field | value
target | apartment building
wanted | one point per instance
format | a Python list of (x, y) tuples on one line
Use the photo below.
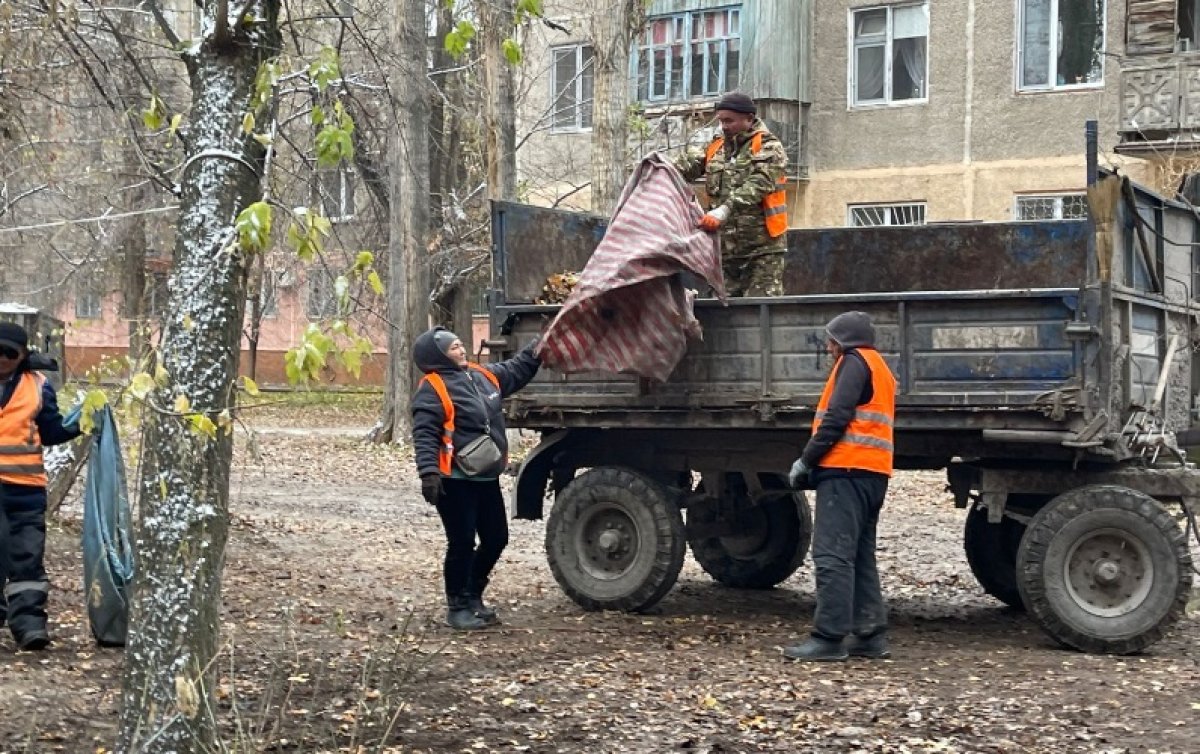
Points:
[(912, 111)]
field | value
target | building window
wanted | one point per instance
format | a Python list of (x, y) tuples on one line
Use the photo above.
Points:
[(873, 215), (571, 82), (689, 55), (322, 298), (1051, 207), (891, 54), (1188, 25), (89, 303), (1060, 43), (335, 189)]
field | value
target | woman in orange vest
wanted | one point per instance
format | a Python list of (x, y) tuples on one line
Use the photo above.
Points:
[(460, 447), (29, 420), (849, 461)]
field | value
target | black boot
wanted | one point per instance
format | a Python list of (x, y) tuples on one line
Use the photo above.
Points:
[(873, 647), (33, 640), (460, 616), (482, 611), (816, 649)]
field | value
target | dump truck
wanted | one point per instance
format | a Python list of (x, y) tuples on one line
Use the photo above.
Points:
[(1049, 367)]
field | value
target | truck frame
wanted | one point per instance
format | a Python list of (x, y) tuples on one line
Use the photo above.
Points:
[(1048, 367)]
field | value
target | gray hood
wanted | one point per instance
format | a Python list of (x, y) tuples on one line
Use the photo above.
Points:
[(852, 330), (429, 350)]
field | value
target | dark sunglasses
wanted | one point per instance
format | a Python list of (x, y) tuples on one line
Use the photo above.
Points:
[(9, 353)]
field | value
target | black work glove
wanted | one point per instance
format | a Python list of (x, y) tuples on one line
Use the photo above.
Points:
[(431, 488)]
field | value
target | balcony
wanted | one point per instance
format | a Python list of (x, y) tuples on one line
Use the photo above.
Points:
[(1160, 103)]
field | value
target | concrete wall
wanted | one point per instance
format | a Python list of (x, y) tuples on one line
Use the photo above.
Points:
[(974, 143)]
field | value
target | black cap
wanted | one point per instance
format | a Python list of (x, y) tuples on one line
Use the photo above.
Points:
[(738, 103), (13, 336)]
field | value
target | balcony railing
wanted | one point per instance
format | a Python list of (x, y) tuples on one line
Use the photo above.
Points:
[(1160, 96)]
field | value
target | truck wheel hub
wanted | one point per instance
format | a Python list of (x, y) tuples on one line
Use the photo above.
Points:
[(1109, 572)]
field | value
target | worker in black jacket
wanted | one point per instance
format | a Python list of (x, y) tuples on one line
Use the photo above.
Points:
[(457, 417), (29, 420)]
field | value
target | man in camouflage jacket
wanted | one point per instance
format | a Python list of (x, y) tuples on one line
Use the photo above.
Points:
[(737, 179)]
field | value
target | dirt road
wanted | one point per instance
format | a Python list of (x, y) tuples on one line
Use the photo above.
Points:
[(334, 641)]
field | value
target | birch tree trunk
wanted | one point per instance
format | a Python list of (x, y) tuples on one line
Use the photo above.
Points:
[(614, 26), (167, 703), (499, 104), (408, 175)]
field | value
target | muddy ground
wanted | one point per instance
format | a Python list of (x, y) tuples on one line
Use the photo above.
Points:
[(334, 641)]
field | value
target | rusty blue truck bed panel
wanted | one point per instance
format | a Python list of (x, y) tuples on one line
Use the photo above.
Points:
[(988, 326)]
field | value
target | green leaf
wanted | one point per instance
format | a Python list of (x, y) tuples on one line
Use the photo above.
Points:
[(248, 123), (363, 261), (318, 116), (152, 116), (375, 283), (325, 69), (182, 405), (512, 51), (254, 226), (459, 38), (176, 119), (529, 7)]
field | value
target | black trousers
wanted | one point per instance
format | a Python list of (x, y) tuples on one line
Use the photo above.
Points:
[(476, 525), (23, 583), (849, 596)]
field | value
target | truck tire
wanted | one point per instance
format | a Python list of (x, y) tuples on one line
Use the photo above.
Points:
[(992, 554), (1104, 569), (615, 540), (769, 546)]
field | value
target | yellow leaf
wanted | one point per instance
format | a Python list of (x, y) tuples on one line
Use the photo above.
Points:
[(248, 123), (182, 404), (202, 425), (141, 385), (251, 386), (188, 323), (162, 489)]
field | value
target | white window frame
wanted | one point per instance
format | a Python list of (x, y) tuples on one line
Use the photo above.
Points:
[(1052, 77), (1057, 197), (90, 295), (337, 208), (580, 102), (852, 60), (891, 207), (684, 21)]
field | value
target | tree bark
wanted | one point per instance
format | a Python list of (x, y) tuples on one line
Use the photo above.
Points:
[(499, 104), (408, 174), (613, 28), (167, 703)]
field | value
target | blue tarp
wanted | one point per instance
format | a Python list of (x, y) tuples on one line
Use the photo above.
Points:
[(107, 534)]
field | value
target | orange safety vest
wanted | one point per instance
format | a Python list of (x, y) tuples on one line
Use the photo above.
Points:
[(20, 441), (867, 442), (446, 453), (774, 204)]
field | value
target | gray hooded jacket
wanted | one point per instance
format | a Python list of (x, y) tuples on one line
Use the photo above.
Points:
[(851, 387)]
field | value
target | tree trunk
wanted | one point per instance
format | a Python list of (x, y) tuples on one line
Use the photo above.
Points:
[(167, 703), (613, 29), (499, 104), (408, 271)]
